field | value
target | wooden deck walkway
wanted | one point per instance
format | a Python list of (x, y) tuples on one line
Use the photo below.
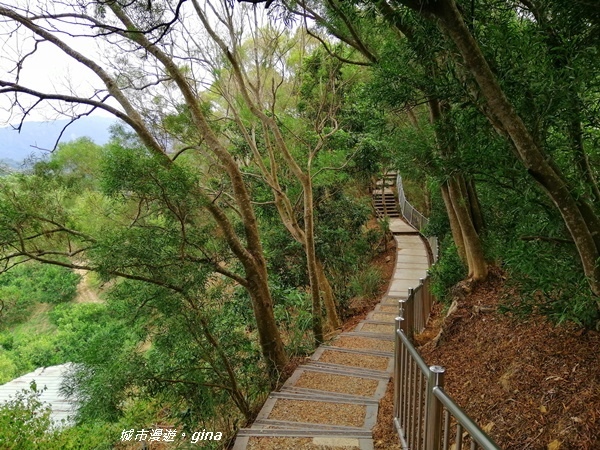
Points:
[(332, 402)]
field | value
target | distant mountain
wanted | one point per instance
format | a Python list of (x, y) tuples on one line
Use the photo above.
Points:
[(35, 137)]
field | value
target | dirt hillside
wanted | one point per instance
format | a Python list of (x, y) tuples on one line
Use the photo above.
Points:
[(536, 385)]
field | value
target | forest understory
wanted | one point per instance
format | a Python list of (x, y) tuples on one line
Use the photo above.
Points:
[(530, 384)]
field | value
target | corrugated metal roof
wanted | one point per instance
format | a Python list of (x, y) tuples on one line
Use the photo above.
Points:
[(51, 378)]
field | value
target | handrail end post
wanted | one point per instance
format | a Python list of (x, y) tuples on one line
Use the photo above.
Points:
[(397, 363), (433, 429)]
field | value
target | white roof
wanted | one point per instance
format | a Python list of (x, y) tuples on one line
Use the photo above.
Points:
[(51, 378)]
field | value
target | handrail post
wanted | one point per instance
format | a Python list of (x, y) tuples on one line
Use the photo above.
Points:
[(402, 313), (397, 367), (409, 315), (433, 425), (426, 305)]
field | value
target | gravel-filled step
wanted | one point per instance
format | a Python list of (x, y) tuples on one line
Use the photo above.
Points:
[(363, 343), (353, 358), (376, 327), (345, 413), (382, 316), (304, 443), (315, 381), (387, 308)]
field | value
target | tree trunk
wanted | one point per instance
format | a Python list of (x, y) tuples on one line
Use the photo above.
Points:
[(333, 320), (251, 254), (268, 333), (457, 235), (326, 292), (531, 155), (456, 199), (256, 108), (474, 205), (311, 259), (581, 159), (474, 250)]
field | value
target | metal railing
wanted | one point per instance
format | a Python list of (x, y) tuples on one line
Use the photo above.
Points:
[(434, 246), (409, 212), (423, 413), (415, 218), (415, 309)]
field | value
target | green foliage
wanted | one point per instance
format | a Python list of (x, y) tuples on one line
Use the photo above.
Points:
[(25, 425), (42, 283), (27, 284), (75, 163), (294, 317), (136, 170), (8, 368), (163, 352), (90, 334), (40, 351), (448, 271), (25, 347), (366, 283), (16, 306), (343, 244), (82, 328), (23, 421), (93, 435), (543, 274)]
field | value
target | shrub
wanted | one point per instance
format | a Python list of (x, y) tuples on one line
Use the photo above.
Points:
[(16, 306), (25, 425), (40, 351), (7, 368), (24, 421), (448, 271), (27, 284), (366, 283)]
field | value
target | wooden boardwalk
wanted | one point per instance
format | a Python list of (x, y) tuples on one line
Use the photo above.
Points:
[(332, 401)]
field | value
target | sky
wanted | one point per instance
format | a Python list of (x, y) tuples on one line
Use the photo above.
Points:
[(49, 69)]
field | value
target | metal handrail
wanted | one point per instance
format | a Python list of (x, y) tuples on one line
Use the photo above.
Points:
[(423, 412), (422, 409), (476, 433), (409, 212), (409, 403), (415, 218)]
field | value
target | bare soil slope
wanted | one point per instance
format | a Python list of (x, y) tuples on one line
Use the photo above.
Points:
[(534, 384)]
